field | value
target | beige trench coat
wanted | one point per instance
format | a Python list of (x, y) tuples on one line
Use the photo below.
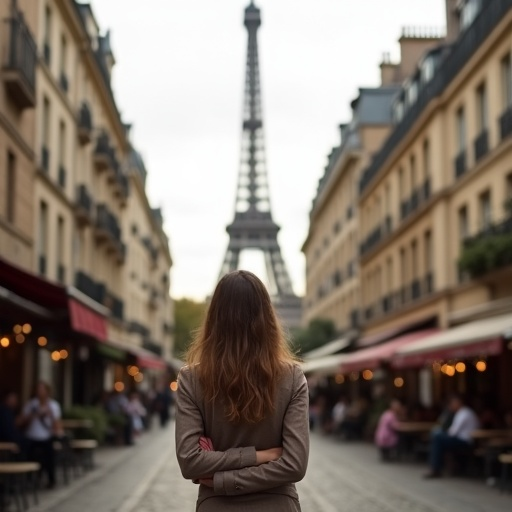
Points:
[(240, 485)]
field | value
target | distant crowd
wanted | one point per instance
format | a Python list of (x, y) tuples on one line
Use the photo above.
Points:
[(380, 420)]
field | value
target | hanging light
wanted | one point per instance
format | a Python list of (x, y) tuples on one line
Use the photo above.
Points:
[(174, 386), (481, 366), (55, 355), (19, 338), (27, 328), (42, 341), (339, 378), (460, 367), (63, 354), (17, 329), (5, 342), (138, 378), (367, 375), (399, 382), (119, 386)]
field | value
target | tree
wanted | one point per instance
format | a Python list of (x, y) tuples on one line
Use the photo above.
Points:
[(318, 333), (188, 316)]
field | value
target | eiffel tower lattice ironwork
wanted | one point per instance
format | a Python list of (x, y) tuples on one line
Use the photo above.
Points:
[(253, 226)]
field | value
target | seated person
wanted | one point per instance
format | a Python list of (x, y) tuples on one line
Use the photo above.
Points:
[(386, 436), (9, 431), (456, 439)]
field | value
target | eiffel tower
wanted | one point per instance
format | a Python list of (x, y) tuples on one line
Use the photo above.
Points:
[(253, 226)]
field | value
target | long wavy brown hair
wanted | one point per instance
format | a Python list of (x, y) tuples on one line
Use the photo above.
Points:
[(240, 352)]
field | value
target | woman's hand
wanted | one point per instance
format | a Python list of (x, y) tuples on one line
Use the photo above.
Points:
[(206, 444), (264, 456)]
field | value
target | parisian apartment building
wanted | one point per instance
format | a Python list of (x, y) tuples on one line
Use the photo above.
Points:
[(410, 229), (84, 258)]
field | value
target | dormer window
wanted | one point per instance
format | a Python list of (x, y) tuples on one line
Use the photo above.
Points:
[(398, 111), (469, 10), (427, 70), (412, 93)]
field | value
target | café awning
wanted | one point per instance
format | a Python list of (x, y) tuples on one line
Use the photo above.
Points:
[(324, 366), (87, 321), (372, 358), (328, 349), (474, 339)]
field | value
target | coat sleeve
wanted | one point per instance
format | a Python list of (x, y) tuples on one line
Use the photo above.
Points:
[(291, 466), (195, 462)]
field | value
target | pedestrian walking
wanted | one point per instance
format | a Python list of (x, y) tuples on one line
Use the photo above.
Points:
[(242, 405)]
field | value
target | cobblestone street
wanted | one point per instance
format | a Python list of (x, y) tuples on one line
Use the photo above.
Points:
[(341, 477)]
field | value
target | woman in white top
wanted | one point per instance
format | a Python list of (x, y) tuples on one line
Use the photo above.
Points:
[(41, 418)]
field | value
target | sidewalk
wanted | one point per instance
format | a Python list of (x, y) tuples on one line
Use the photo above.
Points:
[(117, 473)]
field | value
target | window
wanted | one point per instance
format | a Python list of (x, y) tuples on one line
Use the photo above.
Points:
[(414, 259), (426, 159), (428, 251), (42, 240), (508, 186), (463, 223), (401, 183), (63, 54), (461, 130), (387, 199), (62, 143), (46, 121), (506, 80), (403, 266), (485, 210), (47, 34), (60, 250), (10, 199), (481, 108), (413, 173), (390, 275), (469, 11)]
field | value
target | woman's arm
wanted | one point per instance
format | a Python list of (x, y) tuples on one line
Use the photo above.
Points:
[(193, 460), (291, 466)]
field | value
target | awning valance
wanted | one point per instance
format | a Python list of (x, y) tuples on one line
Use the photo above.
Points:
[(323, 366), (87, 321), (328, 349), (474, 339), (371, 358)]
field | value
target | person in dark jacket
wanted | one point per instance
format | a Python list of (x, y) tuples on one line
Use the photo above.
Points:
[(9, 431)]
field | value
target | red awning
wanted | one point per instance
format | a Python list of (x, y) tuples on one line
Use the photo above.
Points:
[(474, 339), (371, 358), (485, 348), (87, 321), (32, 287), (150, 361)]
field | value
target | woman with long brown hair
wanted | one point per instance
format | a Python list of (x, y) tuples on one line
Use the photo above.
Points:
[(242, 406)]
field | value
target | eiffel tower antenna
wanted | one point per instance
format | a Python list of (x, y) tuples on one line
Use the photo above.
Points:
[(253, 226)]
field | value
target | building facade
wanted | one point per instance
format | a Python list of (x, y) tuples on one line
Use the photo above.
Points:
[(90, 230), (332, 246), (435, 221)]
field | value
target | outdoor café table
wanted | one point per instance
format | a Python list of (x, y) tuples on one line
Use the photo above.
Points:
[(13, 477), (76, 424), (485, 434), (410, 433)]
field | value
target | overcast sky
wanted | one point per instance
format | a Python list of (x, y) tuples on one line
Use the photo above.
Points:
[(179, 79)]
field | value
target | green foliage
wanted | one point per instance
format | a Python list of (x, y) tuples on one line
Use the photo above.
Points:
[(485, 254), (188, 316), (98, 417), (318, 333)]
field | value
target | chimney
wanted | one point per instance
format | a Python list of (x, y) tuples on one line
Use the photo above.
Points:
[(452, 20), (389, 72), (414, 43)]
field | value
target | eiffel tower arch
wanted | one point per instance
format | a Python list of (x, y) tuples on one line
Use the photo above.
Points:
[(253, 226)]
